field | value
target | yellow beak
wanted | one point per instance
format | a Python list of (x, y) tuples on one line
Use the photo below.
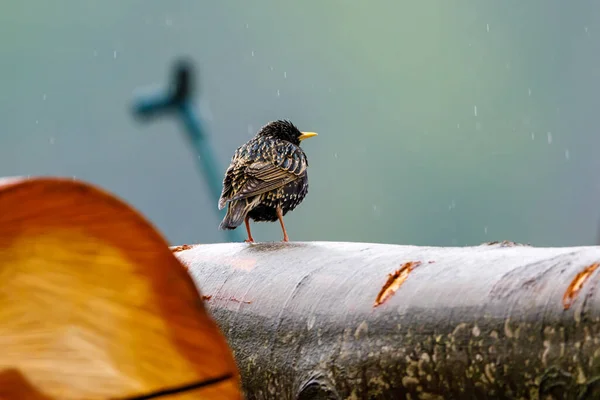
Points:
[(306, 135)]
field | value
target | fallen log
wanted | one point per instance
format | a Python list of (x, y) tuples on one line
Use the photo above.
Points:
[(94, 306), (323, 320)]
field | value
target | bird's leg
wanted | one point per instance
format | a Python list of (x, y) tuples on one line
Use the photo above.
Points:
[(280, 216), (250, 238)]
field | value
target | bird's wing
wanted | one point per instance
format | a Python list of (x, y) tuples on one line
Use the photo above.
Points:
[(236, 167), (285, 164)]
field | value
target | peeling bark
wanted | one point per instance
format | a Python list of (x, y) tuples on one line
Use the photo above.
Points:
[(478, 322), (394, 282), (576, 285)]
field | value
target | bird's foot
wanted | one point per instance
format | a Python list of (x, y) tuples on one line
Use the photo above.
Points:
[(286, 239), (249, 240)]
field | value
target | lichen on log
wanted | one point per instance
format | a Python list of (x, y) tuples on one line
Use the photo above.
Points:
[(492, 321)]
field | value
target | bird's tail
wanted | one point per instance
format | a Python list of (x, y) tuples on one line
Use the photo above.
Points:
[(236, 212)]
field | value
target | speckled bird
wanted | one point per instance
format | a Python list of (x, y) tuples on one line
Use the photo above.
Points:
[(267, 177)]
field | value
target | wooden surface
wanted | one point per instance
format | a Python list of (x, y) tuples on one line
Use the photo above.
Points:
[(94, 305), (376, 321)]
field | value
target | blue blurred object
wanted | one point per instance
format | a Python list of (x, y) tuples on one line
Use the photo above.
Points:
[(178, 100)]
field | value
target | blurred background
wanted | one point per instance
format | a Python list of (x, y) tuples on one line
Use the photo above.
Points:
[(440, 123)]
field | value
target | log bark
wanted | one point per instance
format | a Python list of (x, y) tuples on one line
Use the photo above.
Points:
[(324, 320)]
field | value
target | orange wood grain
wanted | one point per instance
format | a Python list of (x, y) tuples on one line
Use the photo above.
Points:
[(94, 305)]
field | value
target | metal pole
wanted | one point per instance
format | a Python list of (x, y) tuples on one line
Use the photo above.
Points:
[(179, 101)]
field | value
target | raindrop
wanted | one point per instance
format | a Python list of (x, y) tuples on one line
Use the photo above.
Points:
[(95, 53), (52, 140), (44, 97), (247, 26), (485, 230), (585, 28), (458, 126), (168, 22), (278, 93), (335, 155), (284, 75), (250, 129), (532, 135), (529, 91), (37, 121), (475, 110), (252, 53), (115, 54), (567, 154), (376, 211), (549, 137), (271, 67), (487, 27)]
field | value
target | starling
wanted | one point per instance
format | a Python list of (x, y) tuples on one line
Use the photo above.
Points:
[(266, 178)]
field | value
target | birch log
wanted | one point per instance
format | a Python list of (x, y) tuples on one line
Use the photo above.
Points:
[(324, 320)]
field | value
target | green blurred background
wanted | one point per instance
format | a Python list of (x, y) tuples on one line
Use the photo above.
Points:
[(441, 122)]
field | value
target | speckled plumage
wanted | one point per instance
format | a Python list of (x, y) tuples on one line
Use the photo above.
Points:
[(267, 173)]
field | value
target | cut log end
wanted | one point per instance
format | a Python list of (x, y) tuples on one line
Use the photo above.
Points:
[(93, 303)]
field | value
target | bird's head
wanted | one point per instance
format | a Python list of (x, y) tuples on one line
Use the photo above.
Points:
[(285, 130)]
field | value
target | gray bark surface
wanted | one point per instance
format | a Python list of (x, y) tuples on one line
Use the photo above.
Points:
[(483, 322)]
